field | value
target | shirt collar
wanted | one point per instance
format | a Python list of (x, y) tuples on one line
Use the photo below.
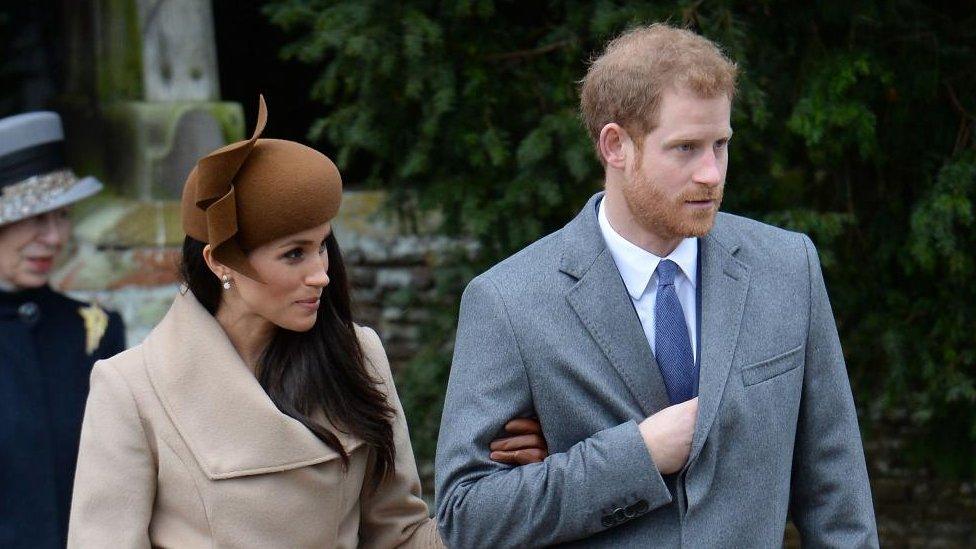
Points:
[(637, 265)]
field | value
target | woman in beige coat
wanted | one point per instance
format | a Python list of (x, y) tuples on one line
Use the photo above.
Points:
[(256, 414)]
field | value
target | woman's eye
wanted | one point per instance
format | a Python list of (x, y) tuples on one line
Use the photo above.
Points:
[(293, 254), (322, 249)]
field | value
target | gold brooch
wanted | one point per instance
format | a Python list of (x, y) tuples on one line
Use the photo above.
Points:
[(96, 322)]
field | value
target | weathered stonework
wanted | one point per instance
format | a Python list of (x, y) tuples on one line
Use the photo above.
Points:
[(142, 101), (914, 508), (127, 252), (151, 147), (179, 57)]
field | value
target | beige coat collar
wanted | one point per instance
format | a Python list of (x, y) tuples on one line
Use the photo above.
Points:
[(217, 405)]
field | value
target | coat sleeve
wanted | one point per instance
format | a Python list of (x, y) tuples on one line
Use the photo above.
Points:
[(830, 501), (115, 481), (569, 496), (393, 513)]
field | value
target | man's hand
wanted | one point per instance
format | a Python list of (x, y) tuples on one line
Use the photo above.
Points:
[(667, 435), (525, 446)]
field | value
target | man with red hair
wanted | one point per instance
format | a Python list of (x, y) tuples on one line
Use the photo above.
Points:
[(684, 363)]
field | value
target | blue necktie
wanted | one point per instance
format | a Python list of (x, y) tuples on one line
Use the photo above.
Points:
[(672, 345)]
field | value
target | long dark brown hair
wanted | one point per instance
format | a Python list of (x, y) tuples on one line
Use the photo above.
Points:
[(321, 369)]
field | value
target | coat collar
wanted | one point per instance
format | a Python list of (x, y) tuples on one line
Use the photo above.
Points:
[(601, 301), (724, 288), (10, 300), (217, 405), (582, 240)]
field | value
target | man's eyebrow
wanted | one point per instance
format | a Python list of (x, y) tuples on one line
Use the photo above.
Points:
[(692, 139)]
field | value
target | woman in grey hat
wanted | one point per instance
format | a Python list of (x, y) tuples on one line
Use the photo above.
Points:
[(48, 341)]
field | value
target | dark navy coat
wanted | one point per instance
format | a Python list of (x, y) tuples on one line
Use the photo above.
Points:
[(44, 369)]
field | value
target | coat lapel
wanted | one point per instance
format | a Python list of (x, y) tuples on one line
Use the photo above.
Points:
[(213, 399), (724, 286), (603, 305)]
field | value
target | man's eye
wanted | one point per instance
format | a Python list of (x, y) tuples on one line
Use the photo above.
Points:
[(686, 147), (721, 143)]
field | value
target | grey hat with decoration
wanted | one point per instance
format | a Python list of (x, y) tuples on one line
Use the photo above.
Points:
[(34, 178)]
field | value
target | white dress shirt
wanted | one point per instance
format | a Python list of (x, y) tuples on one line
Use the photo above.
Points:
[(638, 268)]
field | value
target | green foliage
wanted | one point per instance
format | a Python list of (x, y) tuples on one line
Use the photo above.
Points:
[(854, 123)]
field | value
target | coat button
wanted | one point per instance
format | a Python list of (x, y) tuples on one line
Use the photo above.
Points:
[(620, 515), (640, 507), (29, 313)]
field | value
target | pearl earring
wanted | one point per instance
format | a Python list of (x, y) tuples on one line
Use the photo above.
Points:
[(226, 280)]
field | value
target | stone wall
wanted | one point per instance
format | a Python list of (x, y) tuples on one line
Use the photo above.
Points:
[(914, 507), (127, 251)]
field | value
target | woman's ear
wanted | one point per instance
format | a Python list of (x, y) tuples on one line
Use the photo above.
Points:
[(615, 144), (217, 268)]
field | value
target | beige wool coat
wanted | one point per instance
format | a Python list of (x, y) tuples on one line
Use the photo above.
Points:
[(181, 447)]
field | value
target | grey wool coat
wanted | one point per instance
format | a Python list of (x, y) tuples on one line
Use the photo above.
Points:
[(551, 332)]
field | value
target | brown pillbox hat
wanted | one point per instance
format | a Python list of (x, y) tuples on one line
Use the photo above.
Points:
[(249, 193)]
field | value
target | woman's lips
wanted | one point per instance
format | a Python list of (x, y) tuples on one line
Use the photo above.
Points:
[(310, 304), (41, 264)]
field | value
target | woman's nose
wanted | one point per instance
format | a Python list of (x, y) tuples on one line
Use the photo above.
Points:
[(320, 276), (51, 229)]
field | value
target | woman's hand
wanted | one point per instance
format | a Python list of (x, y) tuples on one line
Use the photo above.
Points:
[(525, 445)]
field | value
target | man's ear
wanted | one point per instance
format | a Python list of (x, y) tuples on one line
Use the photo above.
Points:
[(615, 144)]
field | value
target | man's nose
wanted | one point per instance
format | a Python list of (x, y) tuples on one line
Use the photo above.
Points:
[(709, 172)]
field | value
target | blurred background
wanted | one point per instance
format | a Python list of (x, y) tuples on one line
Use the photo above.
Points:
[(455, 125)]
